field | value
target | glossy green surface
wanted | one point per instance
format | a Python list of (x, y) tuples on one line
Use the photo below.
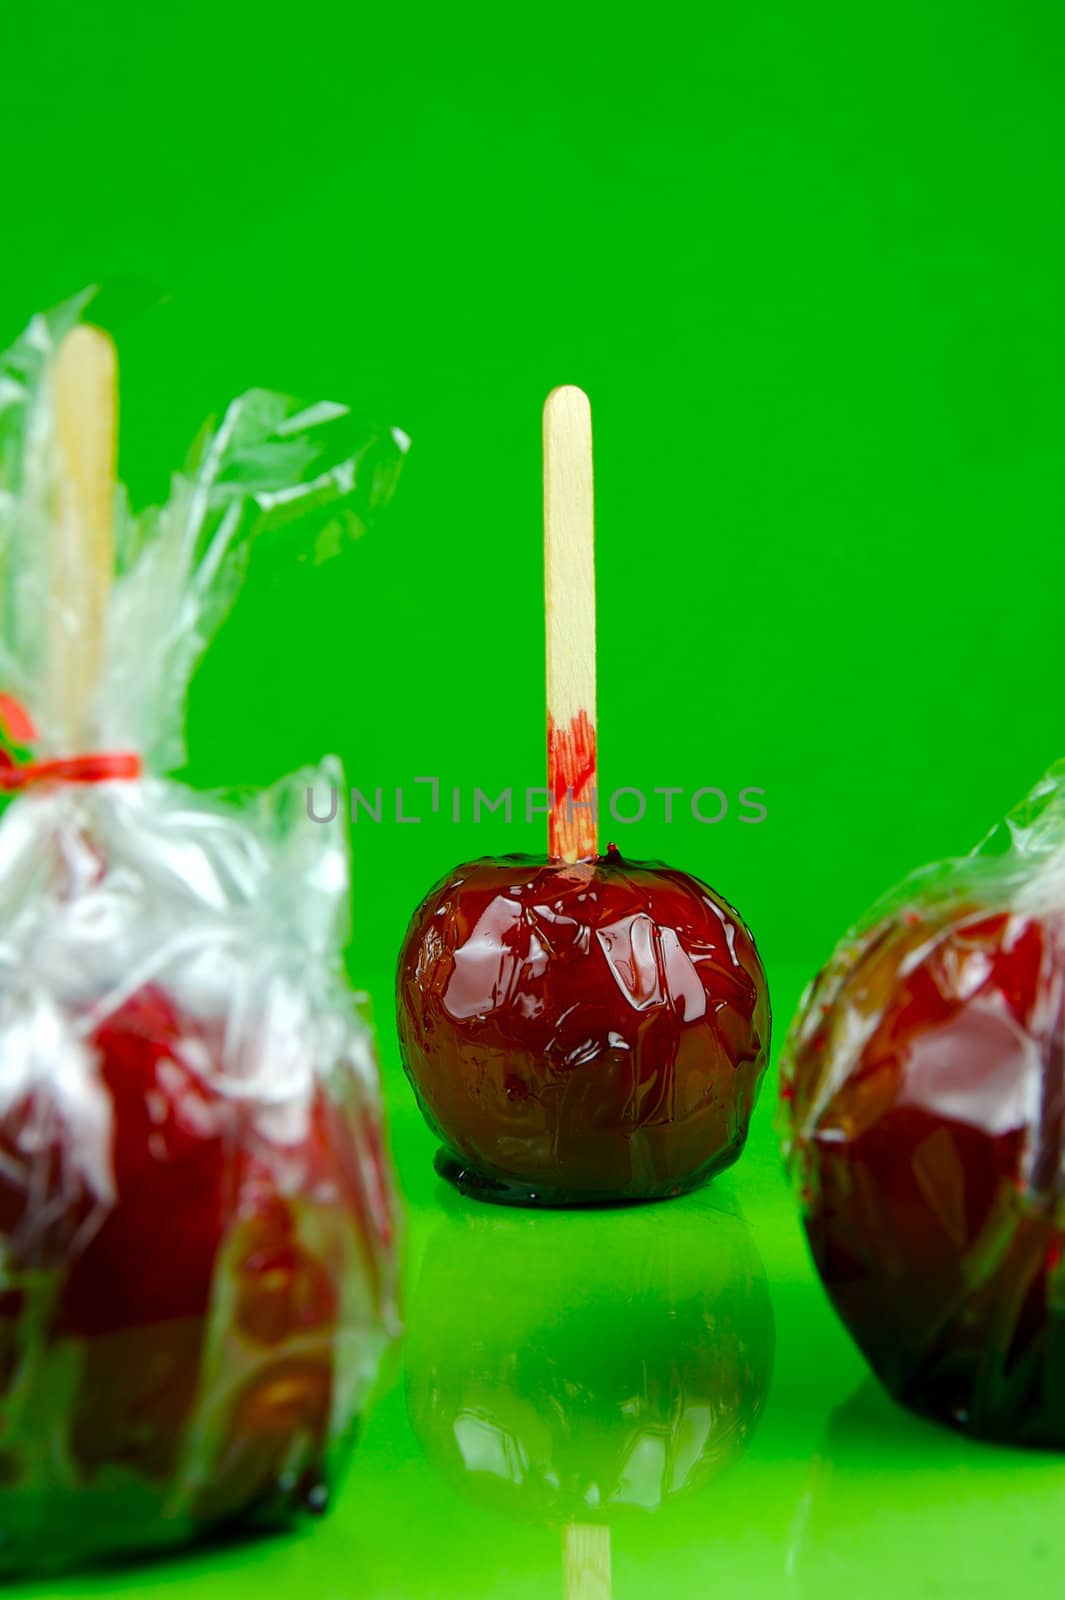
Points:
[(680, 1357)]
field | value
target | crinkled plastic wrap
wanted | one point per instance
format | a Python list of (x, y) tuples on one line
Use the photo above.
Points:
[(196, 1217), (924, 1084), (584, 1033)]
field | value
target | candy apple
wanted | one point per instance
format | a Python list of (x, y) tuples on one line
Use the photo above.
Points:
[(924, 1082), (584, 1032), (196, 1262), (180, 1339), (578, 1028)]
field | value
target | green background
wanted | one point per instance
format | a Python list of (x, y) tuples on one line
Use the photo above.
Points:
[(807, 261)]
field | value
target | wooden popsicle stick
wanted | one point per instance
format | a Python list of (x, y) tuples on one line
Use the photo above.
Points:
[(569, 610), (85, 409), (585, 1562)]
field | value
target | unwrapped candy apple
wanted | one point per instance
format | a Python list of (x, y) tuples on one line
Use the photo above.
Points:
[(924, 1084), (579, 1028), (581, 1032)]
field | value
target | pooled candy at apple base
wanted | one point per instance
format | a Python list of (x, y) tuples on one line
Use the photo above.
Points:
[(581, 1032), (196, 1212), (924, 1085), (587, 1366)]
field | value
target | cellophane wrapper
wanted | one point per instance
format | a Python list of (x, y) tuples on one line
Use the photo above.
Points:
[(924, 1102), (196, 1211)]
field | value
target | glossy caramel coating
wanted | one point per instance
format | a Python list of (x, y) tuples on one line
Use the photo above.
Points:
[(581, 1033), (925, 1086)]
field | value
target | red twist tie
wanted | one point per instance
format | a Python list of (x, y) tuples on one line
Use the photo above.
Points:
[(99, 766)]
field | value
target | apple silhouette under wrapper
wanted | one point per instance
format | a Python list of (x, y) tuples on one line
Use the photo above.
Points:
[(584, 1032), (924, 1085), (196, 1217), (195, 1203)]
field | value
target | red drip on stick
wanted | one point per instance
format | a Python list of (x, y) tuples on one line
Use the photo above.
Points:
[(571, 764)]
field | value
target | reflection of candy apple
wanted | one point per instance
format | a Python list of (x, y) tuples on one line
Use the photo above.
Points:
[(588, 1364), (582, 1032), (577, 1028)]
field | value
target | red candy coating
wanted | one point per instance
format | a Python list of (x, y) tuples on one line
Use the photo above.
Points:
[(926, 1093), (585, 1033), (202, 1296), (172, 1134)]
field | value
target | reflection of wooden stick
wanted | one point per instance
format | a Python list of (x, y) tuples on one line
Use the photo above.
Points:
[(569, 602), (85, 384), (585, 1562)]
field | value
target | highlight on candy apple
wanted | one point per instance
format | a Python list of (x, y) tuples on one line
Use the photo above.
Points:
[(196, 1214), (579, 1028), (923, 1084)]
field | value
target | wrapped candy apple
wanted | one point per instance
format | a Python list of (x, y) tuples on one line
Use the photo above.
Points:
[(196, 1259), (924, 1084), (579, 1028)]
